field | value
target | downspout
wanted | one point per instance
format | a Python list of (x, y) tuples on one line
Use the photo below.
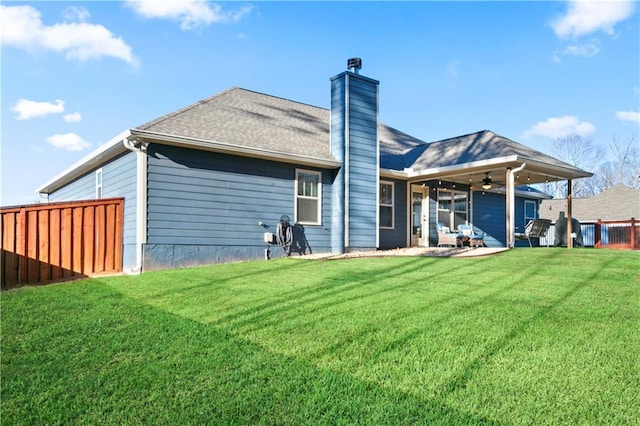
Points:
[(511, 201), (140, 149)]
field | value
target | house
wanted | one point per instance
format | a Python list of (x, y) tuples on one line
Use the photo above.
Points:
[(619, 202), (198, 182)]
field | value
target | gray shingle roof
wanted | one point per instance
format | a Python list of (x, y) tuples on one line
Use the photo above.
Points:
[(484, 145), (251, 120), (617, 203), (255, 120)]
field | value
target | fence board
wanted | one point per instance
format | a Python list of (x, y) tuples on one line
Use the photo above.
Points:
[(54, 244), (21, 248), (110, 226), (88, 231), (100, 239), (9, 256), (45, 242), (66, 248), (33, 266), (78, 264)]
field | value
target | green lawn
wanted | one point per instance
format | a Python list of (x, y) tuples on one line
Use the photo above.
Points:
[(529, 336)]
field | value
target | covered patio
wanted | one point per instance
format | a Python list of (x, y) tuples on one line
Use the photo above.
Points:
[(483, 163)]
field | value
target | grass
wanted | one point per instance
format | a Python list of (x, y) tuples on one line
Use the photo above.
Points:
[(529, 336)]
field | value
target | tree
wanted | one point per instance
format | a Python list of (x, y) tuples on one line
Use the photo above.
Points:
[(579, 152), (623, 169)]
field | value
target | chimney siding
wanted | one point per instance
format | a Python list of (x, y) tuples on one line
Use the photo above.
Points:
[(354, 142)]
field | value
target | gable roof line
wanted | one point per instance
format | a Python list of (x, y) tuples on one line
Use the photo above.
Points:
[(94, 159)]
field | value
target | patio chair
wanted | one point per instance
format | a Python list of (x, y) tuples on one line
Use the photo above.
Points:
[(536, 228), (467, 232), (446, 237)]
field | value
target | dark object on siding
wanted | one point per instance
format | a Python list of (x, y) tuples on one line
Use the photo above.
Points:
[(561, 231)]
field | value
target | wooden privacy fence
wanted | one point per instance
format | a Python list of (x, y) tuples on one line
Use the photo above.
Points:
[(621, 234), (45, 242)]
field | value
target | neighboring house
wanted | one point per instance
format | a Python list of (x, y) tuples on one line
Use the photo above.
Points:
[(619, 202), (197, 182)]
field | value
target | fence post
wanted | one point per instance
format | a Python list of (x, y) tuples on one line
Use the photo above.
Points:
[(597, 236), (634, 240)]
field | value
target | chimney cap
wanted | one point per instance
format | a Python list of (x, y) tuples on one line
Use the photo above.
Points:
[(355, 63)]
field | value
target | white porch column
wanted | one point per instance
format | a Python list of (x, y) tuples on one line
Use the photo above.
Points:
[(569, 213), (511, 205)]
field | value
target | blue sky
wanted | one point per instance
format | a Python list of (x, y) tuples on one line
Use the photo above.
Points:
[(75, 74)]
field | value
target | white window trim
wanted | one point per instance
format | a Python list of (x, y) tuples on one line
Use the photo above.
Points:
[(319, 197), (99, 183), (392, 205)]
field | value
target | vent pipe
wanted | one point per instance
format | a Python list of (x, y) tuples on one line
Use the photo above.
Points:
[(354, 65)]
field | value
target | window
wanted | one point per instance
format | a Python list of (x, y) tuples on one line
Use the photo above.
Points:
[(530, 210), (99, 183), (386, 204), (308, 197), (452, 208)]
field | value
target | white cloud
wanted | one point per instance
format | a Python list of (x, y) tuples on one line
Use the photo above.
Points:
[(190, 13), (629, 116), (586, 17), (22, 27), (586, 50), (76, 13), (72, 118), (27, 109), (68, 141), (558, 127)]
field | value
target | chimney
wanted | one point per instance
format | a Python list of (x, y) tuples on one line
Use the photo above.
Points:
[(354, 142)]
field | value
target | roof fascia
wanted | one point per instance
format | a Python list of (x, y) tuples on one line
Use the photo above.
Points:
[(103, 153), (461, 168), (559, 171), (552, 171), (225, 148), (394, 174)]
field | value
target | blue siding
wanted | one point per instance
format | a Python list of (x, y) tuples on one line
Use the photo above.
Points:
[(205, 207), (396, 237), (83, 188), (519, 219), (489, 216), (338, 142), (362, 166), (118, 180)]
